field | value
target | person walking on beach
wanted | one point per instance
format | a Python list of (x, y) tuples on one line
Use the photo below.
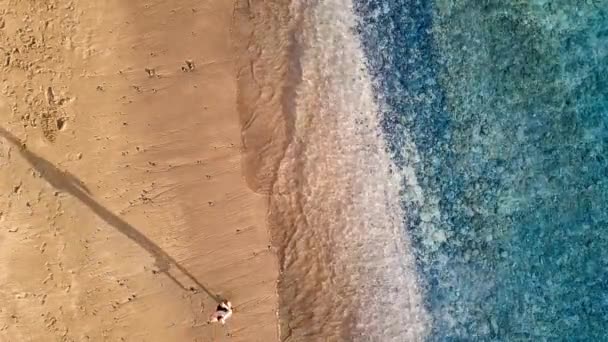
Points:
[(222, 312)]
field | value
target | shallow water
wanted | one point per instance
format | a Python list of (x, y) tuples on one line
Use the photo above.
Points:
[(446, 177), (349, 272)]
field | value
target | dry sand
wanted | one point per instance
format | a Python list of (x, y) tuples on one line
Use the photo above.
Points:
[(123, 206)]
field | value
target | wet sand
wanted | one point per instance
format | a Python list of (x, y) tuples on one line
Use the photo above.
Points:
[(124, 210)]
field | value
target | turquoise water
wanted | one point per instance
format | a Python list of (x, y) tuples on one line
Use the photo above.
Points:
[(506, 103)]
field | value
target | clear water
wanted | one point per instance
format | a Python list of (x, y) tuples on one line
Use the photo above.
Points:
[(506, 103), (348, 269), (446, 177)]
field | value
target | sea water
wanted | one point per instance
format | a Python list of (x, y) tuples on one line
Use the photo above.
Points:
[(506, 103), (447, 177), (348, 268)]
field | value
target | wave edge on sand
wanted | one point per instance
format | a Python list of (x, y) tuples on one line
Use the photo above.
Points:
[(313, 143)]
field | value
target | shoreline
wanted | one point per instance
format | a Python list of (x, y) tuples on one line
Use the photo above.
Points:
[(146, 119), (268, 74), (346, 268), (266, 79)]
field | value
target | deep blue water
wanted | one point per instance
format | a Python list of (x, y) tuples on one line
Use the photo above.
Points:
[(507, 104)]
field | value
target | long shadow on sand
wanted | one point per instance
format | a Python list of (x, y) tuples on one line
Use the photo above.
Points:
[(64, 181)]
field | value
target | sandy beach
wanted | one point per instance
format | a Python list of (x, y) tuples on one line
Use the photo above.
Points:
[(126, 208)]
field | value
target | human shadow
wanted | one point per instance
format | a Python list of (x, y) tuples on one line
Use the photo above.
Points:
[(65, 181)]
